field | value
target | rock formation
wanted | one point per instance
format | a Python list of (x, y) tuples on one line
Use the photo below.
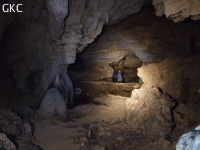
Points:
[(189, 141), (44, 40), (177, 10), (10, 123), (6, 143), (167, 103), (43, 44), (53, 105)]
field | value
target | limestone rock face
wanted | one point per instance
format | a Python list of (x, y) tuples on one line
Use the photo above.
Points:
[(49, 34), (174, 78), (178, 10), (5, 143), (53, 105), (10, 123), (189, 141), (58, 10), (139, 40), (150, 110)]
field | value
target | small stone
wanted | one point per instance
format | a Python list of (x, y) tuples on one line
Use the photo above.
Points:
[(199, 90), (89, 134), (165, 143), (5, 143), (112, 122), (27, 128), (83, 139), (102, 133), (78, 91), (107, 128), (98, 147), (101, 129), (82, 144), (120, 138), (109, 133)]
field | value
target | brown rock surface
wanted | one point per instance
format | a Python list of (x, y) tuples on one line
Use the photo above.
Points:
[(150, 110), (177, 10)]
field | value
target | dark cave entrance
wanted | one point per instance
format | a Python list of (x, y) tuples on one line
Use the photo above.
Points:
[(102, 59), (128, 66)]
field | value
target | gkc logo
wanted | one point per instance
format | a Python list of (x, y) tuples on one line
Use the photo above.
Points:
[(11, 8)]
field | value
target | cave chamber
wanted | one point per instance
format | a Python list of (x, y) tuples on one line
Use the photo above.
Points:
[(155, 44)]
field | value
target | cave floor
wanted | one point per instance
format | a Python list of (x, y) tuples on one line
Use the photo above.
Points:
[(99, 125), (94, 88)]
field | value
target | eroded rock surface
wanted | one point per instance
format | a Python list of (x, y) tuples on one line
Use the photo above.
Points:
[(5, 143), (139, 40), (189, 140), (50, 33), (53, 105), (150, 110), (10, 122), (178, 10)]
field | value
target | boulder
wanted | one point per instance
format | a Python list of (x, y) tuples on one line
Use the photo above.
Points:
[(189, 141), (26, 145), (53, 105), (5, 143), (150, 110), (26, 112), (10, 123)]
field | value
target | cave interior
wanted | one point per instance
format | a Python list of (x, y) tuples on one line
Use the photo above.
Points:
[(59, 61)]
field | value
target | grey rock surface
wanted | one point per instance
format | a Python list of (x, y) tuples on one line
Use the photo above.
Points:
[(50, 33), (53, 105), (5, 143), (189, 141), (10, 122)]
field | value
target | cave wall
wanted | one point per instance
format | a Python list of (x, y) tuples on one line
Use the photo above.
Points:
[(178, 10), (140, 38), (169, 99), (43, 40)]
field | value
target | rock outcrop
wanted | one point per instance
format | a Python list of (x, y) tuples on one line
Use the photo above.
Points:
[(150, 110), (189, 141), (5, 143), (50, 33), (53, 105), (169, 96), (10, 122), (178, 10)]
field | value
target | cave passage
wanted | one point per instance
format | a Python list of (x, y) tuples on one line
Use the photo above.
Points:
[(157, 101)]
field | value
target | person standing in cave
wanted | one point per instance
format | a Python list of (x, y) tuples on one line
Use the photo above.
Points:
[(119, 76)]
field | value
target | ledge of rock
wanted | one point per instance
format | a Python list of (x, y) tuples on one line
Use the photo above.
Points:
[(178, 10)]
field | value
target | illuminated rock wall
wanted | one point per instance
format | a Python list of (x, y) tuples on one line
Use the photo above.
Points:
[(177, 10)]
